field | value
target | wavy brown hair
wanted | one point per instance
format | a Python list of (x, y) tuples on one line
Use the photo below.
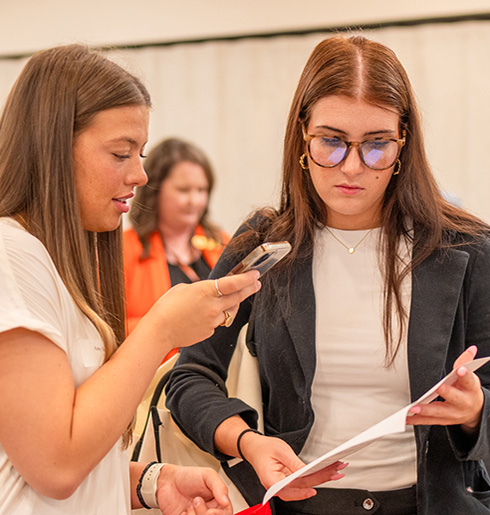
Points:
[(158, 165), (359, 68), (55, 98)]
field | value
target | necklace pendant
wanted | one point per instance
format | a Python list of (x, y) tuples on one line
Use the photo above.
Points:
[(352, 250)]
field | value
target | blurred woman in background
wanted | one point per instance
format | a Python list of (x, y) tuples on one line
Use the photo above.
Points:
[(171, 240)]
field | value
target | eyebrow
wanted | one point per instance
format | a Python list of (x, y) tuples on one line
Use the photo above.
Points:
[(124, 139), (370, 133)]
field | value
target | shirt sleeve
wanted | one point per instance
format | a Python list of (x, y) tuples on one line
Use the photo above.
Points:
[(30, 295)]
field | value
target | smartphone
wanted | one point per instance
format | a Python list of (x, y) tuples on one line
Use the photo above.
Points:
[(263, 257)]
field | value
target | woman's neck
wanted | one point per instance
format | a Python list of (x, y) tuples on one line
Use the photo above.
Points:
[(178, 246)]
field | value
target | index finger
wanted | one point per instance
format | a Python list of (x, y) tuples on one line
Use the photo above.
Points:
[(234, 283), (217, 489), (332, 472)]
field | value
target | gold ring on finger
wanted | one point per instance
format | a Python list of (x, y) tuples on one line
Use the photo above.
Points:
[(228, 319), (218, 291)]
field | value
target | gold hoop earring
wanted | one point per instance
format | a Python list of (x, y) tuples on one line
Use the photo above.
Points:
[(399, 164), (302, 162)]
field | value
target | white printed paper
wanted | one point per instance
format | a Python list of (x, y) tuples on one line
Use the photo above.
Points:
[(391, 425)]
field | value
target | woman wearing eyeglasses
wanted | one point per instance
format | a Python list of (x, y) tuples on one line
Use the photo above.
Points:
[(387, 288)]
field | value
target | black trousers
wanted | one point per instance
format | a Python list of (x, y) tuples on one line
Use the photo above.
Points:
[(346, 501)]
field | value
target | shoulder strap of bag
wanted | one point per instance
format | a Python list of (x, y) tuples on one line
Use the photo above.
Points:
[(192, 367), (250, 337), (157, 393)]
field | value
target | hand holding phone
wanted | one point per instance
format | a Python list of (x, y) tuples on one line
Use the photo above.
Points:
[(263, 257)]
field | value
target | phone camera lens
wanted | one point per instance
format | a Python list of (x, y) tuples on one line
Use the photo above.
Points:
[(264, 258)]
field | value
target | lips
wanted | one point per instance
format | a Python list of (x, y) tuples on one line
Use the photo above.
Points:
[(122, 203), (125, 199), (349, 189)]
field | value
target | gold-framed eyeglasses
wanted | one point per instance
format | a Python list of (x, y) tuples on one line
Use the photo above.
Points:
[(377, 153)]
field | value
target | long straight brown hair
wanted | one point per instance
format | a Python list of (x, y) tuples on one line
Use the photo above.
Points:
[(55, 98), (359, 68)]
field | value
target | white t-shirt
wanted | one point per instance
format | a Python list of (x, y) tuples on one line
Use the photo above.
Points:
[(352, 389), (34, 297)]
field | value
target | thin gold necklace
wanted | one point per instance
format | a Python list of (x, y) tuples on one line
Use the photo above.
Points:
[(350, 250)]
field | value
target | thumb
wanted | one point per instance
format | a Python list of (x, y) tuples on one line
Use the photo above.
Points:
[(468, 355), (292, 462)]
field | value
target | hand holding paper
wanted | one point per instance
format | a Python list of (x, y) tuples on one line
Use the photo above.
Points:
[(395, 423), (273, 460), (463, 399)]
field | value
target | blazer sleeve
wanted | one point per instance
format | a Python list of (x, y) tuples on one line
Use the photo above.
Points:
[(476, 302), (196, 404)]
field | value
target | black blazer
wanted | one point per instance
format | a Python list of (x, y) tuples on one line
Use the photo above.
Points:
[(450, 310)]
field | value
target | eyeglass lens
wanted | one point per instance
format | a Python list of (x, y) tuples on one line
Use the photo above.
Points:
[(377, 154)]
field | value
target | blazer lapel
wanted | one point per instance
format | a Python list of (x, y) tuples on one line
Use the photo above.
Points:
[(300, 316), (436, 287)]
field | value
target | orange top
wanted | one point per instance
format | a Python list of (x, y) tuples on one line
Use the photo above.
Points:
[(148, 279)]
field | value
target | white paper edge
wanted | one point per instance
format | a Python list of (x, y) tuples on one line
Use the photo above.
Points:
[(393, 424)]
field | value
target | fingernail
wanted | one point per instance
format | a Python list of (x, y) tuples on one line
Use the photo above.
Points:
[(473, 348), (462, 371), (342, 466), (225, 500), (196, 501), (336, 477), (415, 409)]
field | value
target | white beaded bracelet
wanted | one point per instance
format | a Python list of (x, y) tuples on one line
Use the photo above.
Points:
[(147, 486)]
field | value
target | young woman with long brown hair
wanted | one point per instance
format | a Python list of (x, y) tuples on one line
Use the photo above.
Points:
[(387, 288), (72, 134)]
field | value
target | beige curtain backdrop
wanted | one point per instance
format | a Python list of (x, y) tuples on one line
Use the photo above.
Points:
[(232, 98)]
